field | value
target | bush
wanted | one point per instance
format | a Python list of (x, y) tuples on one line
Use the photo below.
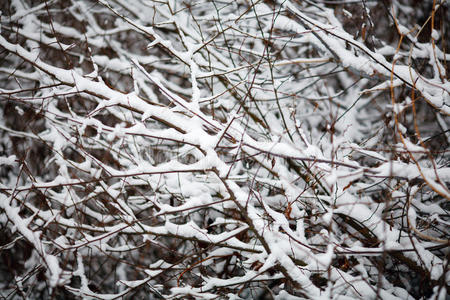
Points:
[(224, 149)]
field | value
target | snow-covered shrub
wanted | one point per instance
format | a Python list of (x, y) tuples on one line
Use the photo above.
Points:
[(224, 149)]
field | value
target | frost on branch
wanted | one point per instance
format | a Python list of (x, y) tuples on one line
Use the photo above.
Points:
[(224, 149)]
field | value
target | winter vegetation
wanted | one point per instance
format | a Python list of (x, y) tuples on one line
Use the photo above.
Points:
[(216, 149)]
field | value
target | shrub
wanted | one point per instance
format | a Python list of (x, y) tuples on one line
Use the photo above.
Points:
[(224, 149)]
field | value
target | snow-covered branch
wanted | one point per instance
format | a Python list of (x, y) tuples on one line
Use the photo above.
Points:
[(224, 149)]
